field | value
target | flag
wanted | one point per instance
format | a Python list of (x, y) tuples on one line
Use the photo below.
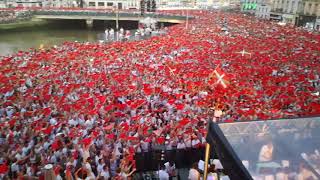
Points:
[(87, 141), (184, 122), (109, 127), (55, 145), (110, 136), (161, 140), (3, 169), (221, 77), (180, 106)]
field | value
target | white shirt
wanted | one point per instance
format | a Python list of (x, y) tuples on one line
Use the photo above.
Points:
[(195, 142), (72, 122), (105, 174), (212, 176), (144, 146), (58, 177), (193, 174), (100, 168), (163, 175), (188, 143), (15, 167), (53, 121), (18, 156), (181, 145)]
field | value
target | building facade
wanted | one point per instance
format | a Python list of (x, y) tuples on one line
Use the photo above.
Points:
[(2, 4), (105, 4), (263, 9), (287, 10), (21, 3), (37, 3), (309, 14), (60, 3), (292, 12)]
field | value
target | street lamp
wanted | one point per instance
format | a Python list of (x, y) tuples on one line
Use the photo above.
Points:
[(185, 3), (117, 20)]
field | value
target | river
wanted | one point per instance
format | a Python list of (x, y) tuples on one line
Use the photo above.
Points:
[(23, 38)]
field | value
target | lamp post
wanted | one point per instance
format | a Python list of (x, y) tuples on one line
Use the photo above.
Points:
[(185, 3), (117, 18), (187, 21), (117, 21)]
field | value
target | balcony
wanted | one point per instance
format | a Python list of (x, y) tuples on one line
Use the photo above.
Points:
[(278, 10)]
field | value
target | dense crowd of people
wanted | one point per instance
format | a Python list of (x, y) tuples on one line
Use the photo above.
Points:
[(84, 109)]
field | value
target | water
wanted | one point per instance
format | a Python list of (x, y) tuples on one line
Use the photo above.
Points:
[(47, 35), (11, 42)]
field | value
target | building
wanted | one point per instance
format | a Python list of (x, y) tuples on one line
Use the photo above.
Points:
[(296, 12), (24, 3), (133, 4), (293, 12), (263, 9), (285, 11), (309, 14), (103, 4), (60, 3), (37, 3), (204, 4), (2, 4)]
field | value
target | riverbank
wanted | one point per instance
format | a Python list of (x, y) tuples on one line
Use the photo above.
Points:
[(23, 25)]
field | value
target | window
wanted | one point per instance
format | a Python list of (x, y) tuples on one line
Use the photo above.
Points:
[(100, 3), (109, 3), (92, 4)]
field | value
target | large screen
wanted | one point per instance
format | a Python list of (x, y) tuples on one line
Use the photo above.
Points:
[(277, 148)]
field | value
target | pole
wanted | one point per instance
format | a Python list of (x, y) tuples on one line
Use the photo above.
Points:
[(117, 20), (185, 3), (187, 18), (117, 23), (206, 162)]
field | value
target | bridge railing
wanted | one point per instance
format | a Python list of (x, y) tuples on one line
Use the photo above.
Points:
[(106, 13)]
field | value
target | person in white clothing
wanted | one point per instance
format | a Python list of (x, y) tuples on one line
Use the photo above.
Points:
[(105, 172), (194, 173), (212, 175), (163, 175)]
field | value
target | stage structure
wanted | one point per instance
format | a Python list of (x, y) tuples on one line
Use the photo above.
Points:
[(267, 149)]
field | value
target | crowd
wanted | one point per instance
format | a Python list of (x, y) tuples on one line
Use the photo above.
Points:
[(84, 109), (10, 16), (6, 16)]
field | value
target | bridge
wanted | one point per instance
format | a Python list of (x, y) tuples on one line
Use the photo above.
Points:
[(90, 16)]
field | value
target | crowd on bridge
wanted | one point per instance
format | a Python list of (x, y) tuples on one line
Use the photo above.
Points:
[(84, 109)]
